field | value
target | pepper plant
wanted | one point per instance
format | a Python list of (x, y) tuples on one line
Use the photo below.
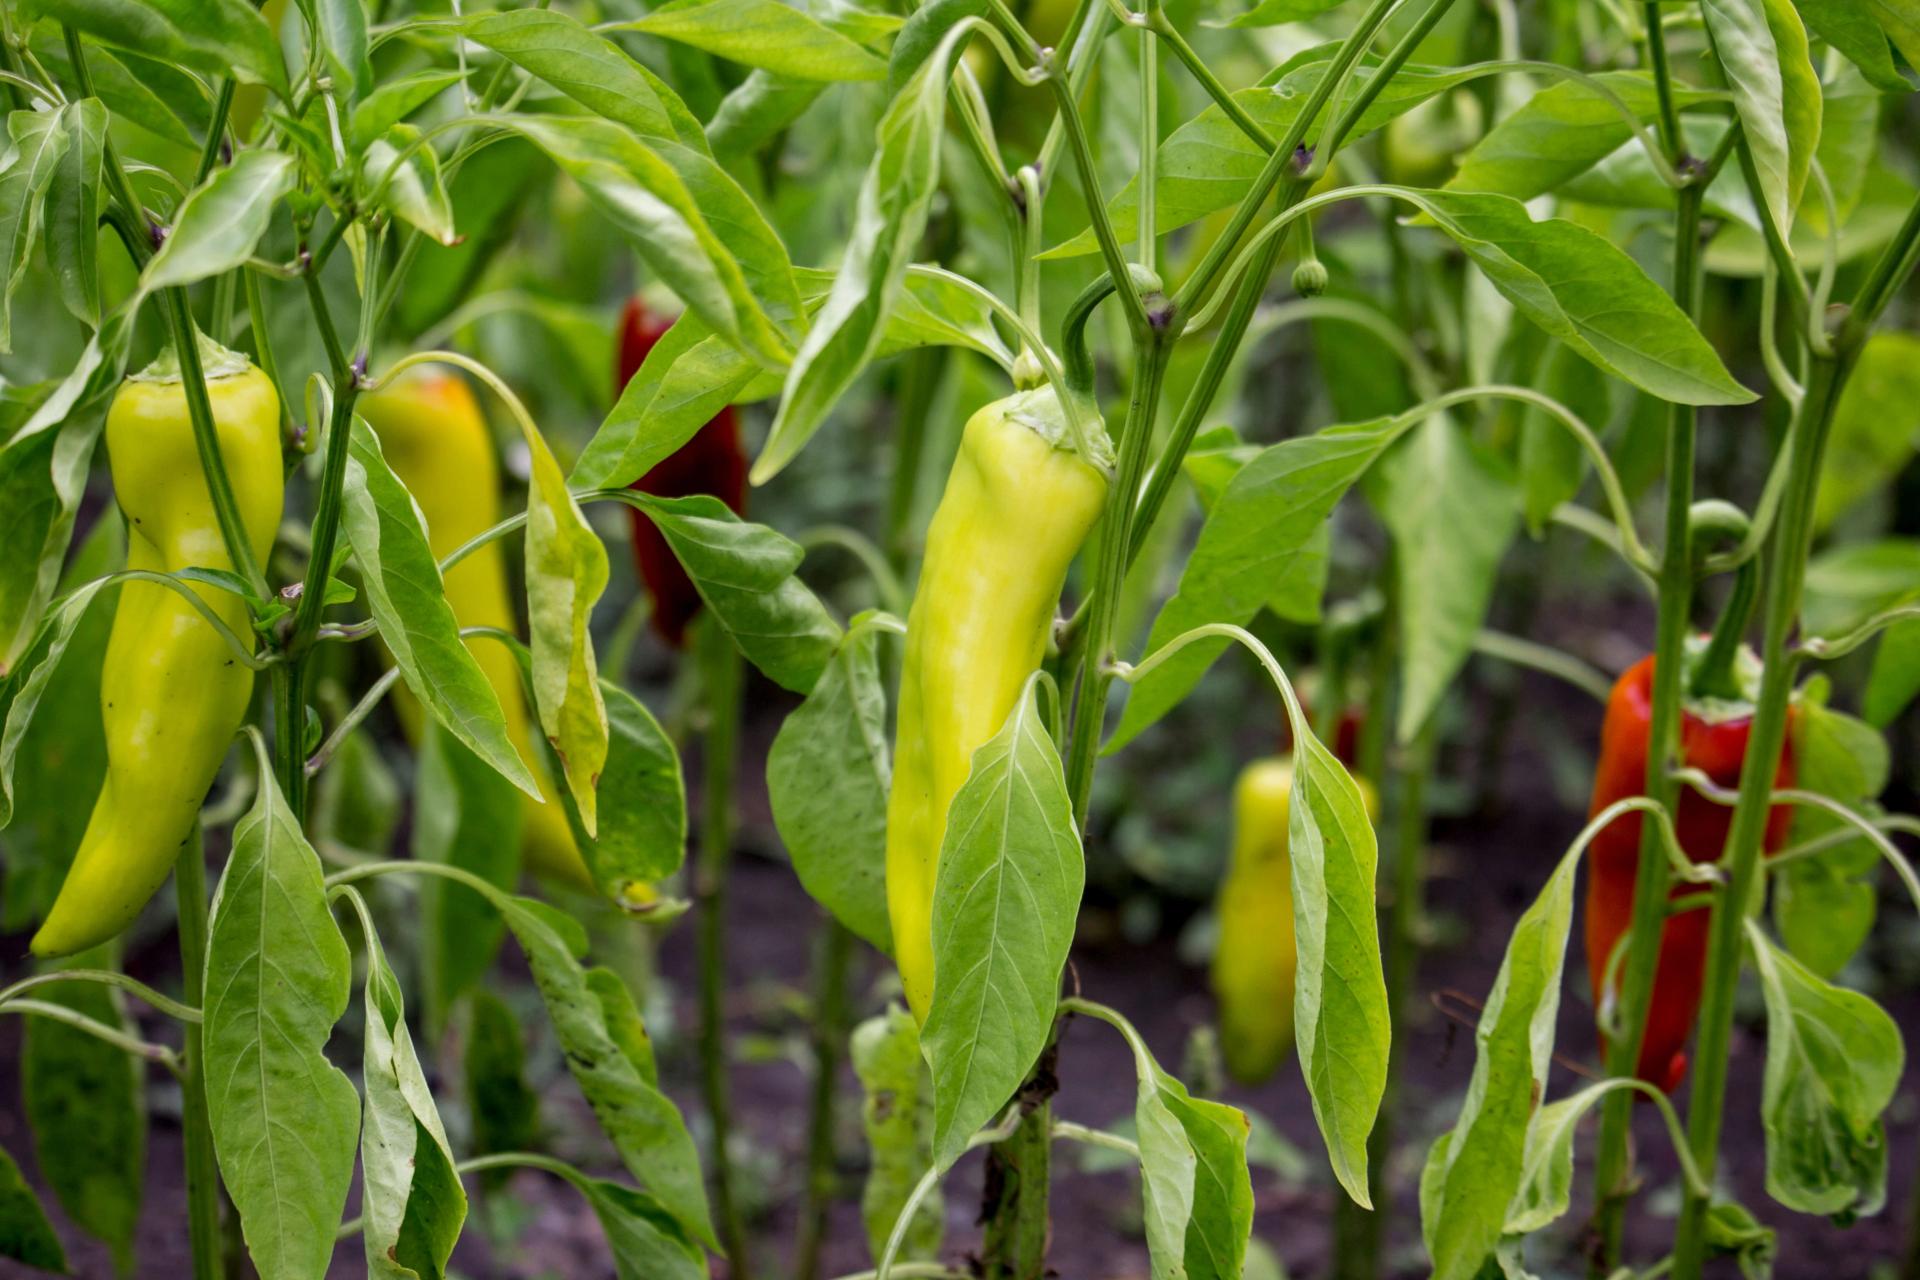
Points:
[(255, 244)]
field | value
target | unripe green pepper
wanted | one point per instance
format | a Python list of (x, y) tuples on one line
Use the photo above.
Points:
[(171, 692), (1255, 956), (1017, 506), (436, 440)]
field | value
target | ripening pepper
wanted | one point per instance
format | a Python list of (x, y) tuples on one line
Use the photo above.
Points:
[(436, 440), (1017, 506), (713, 462), (172, 694), (1713, 739), (1254, 955)]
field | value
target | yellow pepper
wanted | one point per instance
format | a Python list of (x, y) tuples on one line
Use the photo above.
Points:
[(1254, 957), (436, 440), (172, 694), (1017, 506)]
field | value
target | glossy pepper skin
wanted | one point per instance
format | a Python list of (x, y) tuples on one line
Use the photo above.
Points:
[(1717, 747), (172, 694), (713, 462), (1255, 956), (1017, 506), (436, 440)]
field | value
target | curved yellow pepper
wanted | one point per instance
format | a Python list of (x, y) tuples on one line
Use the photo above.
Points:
[(172, 693), (1255, 957), (436, 440), (1017, 506)]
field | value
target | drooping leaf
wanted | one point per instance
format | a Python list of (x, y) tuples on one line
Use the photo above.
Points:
[(1824, 906), (73, 210), (409, 605), (1762, 49), (764, 34), (404, 178), (38, 141), (1833, 1062), (217, 38), (1005, 900), (43, 478), (504, 1112), (284, 1119), (25, 1234), (1876, 425), (745, 573)]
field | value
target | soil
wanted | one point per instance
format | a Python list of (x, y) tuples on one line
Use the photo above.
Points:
[(1483, 872)]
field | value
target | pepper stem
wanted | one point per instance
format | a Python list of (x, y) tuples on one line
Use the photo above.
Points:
[(1713, 676)]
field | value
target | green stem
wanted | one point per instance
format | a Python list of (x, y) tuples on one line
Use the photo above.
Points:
[(1786, 575), (1149, 369), (829, 1026), (1613, 1162), (1015, 1202), (141, 246), (1713, 675), (721, 670), (216, 130), (203, 1176)]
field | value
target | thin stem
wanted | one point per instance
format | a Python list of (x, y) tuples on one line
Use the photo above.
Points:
[(893, 594), (1103, 233), (1164, 28), (1149, 369), (1613, 1162), (202, 1171), (928, 1181), (106, 977), (834, 948), (1072, 1132), (216, 130), (1786, 575), (351, 721), (1149, 148), (721, 669), (1544, 659), (129, 1044)]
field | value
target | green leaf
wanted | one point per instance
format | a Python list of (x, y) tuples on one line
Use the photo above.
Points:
[(1005, 900), (356, 799), (827, 777), (642, 1122), (1167, 1165), (1475, 1169), (1259, 535), (1340, 993), (86, 1104), (27, 684), (60, 760), (1850, 27), (126, 95), (1273, 13), (39, 140), (73, 210), (1833, 1062), (897, 1115), (1562, 131), (284, 1119), (1762, 50), (467, 815), (1850, 583), (221, 220), (688, 219), (397, 99), (339, 28), (746, 575), (25, 1234), (413, 192), (1894, 680), (1221, 1224), (1582, 290), (1209, 163), (1876, 425), (1824, 906), (411, 1197), (566, 567), (1452, 508), (409, 604), (503, 1111), (647, 1243), (1211, 465), (756, 110), (691, 374), (889, 219), (218, 38), (764, 34), (587, 67), (43, 478)]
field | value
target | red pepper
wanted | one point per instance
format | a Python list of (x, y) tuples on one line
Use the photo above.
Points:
[(712, 462), (1717, 748)]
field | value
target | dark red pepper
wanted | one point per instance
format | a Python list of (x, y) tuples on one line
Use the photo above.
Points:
[(713, 462), (1717, 748)]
